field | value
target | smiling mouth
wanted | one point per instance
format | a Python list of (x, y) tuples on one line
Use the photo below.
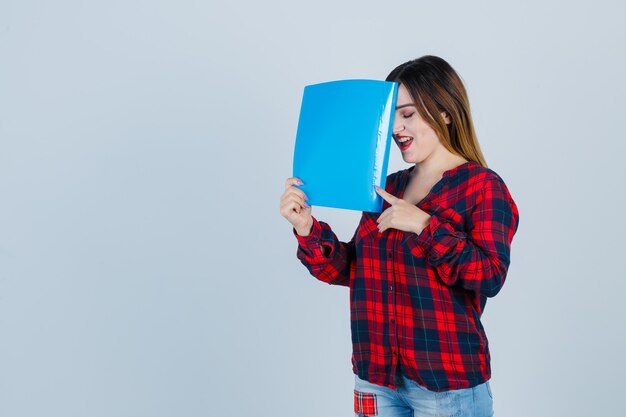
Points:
[(404, 142)]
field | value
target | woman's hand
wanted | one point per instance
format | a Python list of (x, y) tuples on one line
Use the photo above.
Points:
[(401, 215), (294, 208)]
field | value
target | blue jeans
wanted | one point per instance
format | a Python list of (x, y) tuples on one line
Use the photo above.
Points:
[(412, 400)]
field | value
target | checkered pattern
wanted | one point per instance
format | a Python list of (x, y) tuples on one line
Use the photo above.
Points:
[(420, 297), (365, 404)]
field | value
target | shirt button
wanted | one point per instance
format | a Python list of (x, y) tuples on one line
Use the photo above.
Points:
[(391, 288), (392, 321), (389, 254)]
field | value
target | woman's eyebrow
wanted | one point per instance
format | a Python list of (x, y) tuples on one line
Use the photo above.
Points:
[(405, 105)]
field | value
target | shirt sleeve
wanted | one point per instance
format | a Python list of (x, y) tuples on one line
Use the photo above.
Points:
[(478, 257), (338, 266)]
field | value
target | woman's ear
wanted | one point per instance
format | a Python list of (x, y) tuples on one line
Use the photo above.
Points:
[(446, 117)]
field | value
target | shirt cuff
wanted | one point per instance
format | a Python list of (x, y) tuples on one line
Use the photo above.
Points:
[(435, 240), (315, 235), (309, 245)]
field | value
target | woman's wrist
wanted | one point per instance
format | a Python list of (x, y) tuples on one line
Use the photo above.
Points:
[(422, 224), (306, 230)]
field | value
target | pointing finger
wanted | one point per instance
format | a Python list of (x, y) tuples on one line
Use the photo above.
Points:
[(386, 196)]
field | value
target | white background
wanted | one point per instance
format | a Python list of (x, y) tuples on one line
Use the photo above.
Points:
[(145, 269)]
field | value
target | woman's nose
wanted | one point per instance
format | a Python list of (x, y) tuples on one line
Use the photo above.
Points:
[(397, 127)]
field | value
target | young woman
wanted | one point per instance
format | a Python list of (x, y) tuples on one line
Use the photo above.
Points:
[(420, 272)]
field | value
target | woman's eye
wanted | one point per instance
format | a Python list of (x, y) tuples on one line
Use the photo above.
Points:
[(406, 116)]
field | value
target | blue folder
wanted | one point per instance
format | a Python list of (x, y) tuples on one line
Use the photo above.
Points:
[(342, 143)]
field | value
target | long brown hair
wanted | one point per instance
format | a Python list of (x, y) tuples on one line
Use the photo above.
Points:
[(435, 88)]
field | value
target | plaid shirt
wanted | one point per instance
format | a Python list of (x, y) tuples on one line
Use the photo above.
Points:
[(418, 299)]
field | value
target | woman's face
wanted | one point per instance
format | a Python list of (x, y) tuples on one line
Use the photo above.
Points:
[(415, 138)]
